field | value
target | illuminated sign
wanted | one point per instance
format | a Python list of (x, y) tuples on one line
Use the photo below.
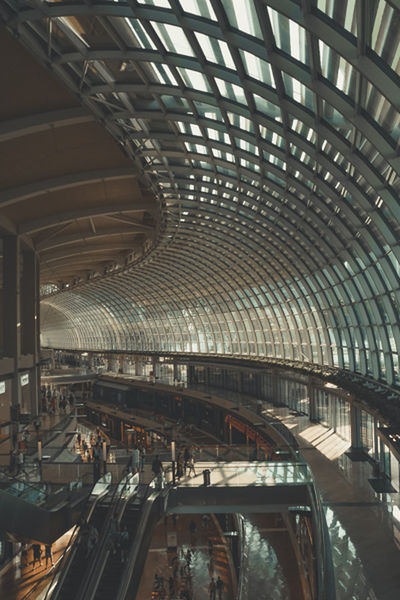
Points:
[(25, 379)]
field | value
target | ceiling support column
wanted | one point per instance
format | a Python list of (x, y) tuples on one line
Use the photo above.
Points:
[(30, 297), (12, 323)]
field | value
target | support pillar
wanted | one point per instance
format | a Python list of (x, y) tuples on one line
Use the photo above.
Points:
[(156, 367), (275, 398), (12, 322), (355, 422), (138, 366), (29, 322), (312, 400)]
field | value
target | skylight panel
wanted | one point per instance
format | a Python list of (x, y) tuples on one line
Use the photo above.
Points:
[(213, 134), (194, 79), (173, 38), (268, 108), (140, 34), (195, 129), (240, 122), (242, 15), (247, 146), (382, 111), (216, 51), (381, 26), (257, 68), (299, 92), (160, 3), (231, 90), (202, 8), (208, 111), (163, 74), (335, 68), (343, 12), (271, 136), (344, 75), (289, 36)]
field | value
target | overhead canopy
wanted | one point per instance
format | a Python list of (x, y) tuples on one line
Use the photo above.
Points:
[(270, 131), (64, 182)]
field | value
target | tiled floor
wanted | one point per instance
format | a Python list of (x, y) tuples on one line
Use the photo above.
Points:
[(170, 543), (22, 578)]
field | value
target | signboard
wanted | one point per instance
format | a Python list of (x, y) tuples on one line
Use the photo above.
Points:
[(25, 379), (2, 387)]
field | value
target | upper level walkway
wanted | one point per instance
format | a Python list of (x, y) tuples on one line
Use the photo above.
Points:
[(364, 524)]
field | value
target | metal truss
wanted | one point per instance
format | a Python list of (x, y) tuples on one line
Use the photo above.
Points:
[(270, 130)]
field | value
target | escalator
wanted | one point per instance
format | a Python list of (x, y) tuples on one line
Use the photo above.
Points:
[(70, 583), (114, 568), (80, 568), (68, 576)]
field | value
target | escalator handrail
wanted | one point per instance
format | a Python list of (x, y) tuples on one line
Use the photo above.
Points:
[(326, 588), (74, 537), (104, 548), (83, 591), (148, 505)]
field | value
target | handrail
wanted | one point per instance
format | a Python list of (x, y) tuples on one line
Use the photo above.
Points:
[(326, 589), (74, 537), (137, 541), (104, 548), (243, 557), (92, 568), (39, 487)]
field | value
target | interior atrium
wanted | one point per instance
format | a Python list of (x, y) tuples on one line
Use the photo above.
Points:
[(207, 193)]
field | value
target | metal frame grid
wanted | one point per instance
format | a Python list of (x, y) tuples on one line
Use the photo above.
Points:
[(270, 130)]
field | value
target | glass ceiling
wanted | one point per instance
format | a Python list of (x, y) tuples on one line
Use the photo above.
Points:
[(269, 131)]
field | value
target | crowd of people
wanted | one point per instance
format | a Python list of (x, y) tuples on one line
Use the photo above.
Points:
[(37, 555), (182, 565), (89, 447)]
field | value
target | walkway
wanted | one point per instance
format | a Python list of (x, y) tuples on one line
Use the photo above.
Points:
[(22, 580), (365, 534), (364, 525)]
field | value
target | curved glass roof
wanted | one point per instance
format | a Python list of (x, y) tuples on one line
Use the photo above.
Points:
[(270, 132)]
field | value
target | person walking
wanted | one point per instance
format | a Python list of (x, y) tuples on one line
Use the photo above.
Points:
[(186, 457), (37, 554), (179, 466), (135, 459), (156, 465), (48, 554), (157, 468), (20, 463), (191, 466), (142, 458), (124, 544), (212, 588), (220, 587)]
